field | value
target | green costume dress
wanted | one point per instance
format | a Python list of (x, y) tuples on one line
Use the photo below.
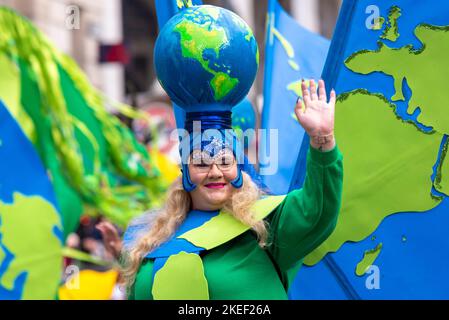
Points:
[(238, 268)]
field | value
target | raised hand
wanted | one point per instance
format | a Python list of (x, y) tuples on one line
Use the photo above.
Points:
[(316, 115)]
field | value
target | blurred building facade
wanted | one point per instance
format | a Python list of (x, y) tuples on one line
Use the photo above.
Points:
[(81, 27)]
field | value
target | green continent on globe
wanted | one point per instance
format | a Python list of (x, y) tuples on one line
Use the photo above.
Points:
[(35, 252), (200, 33)]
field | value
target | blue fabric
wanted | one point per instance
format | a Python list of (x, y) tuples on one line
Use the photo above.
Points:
[(209, 120), (130, 233), (243, 116), (279, 102), (21, 171), (413, 262)]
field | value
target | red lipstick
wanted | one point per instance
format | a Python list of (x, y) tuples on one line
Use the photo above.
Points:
[(215, 185)]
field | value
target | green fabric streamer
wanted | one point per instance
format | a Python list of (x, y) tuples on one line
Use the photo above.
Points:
[(83, 256), (69, 201), (10, 94), (89, 153)]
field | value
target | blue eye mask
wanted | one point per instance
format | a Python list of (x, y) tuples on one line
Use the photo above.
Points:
[(212, 147)]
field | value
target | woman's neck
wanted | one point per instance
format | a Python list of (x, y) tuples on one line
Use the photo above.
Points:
[(205, 208)]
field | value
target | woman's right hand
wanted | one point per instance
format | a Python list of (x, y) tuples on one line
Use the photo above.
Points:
[(316, 115), (111, 239)]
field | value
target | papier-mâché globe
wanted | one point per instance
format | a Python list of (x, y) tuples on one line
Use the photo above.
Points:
[(206, 58)]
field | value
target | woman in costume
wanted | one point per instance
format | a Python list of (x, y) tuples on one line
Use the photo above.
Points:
[(256, 253), (218, 236)]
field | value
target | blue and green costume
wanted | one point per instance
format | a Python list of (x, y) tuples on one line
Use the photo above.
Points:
[(235, 266)]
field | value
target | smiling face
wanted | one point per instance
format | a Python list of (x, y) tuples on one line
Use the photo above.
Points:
[(212, 177)]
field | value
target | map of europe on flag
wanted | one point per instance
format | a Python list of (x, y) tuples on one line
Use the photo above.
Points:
[(292, 53), (388, 64)]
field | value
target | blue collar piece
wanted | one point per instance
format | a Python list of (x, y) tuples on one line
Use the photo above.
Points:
[(194, 219)]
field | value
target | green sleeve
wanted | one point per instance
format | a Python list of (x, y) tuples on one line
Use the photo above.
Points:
[(307, 216)]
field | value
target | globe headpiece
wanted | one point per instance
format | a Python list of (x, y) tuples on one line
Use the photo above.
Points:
[(206, 59)]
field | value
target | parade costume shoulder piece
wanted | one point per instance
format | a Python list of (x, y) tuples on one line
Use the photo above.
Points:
[(177, 270), (206, 59)]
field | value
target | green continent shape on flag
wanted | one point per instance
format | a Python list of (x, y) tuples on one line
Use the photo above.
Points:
[(380, 178), (36, 253), (426, 79), (91, 141), (391, 32), (211, 38), (442, 178)]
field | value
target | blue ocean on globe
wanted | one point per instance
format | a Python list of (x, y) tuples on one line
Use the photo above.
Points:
[(206, 58)]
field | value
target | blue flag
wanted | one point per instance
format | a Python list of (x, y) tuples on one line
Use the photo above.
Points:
[(292, 53), (30, 224), (388, 64)]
